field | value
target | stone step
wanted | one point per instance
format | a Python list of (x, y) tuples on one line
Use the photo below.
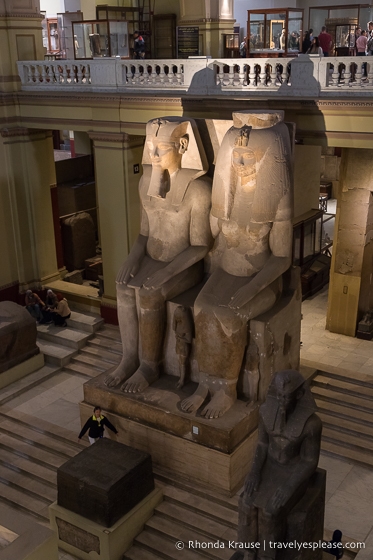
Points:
[(64, 336), (205, 525), (163, 547), (348, 440), (348, 413), (346, 426), (26, 383), (113, 335), (85, 322), (346, 386), (335, 449), (355, 378), (56, 354), (87, 361), (30, 486), (20, 498), (139, 553), (79, 368), (31, 468), (171, 532), (349, 401), (23, 449), (106, 344), (201, 505), (101, 354), (37, 439)]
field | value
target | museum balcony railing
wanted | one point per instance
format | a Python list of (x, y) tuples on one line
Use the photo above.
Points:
[(305, 76)]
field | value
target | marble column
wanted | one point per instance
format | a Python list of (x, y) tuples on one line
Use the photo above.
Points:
[(117, 170), (27, 241), (214, 19), (350, 289)]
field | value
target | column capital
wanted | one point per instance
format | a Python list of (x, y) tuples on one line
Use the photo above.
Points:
[(129, 140)]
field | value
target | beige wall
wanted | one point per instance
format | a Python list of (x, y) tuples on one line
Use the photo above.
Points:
[(307, 166)]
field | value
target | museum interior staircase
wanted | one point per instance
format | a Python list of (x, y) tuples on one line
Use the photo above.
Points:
[(345, 406), (31, 449)]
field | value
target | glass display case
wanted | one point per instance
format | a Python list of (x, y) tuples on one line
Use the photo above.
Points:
[(276, 32), (100, 38), (53, 36), (65, 32), (342, 31), (232, 45)]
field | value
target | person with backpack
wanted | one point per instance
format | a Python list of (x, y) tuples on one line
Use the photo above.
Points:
[(370, 38), (138, 46)]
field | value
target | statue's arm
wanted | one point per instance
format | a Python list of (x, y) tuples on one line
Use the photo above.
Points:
[(200, 241), (253, 478), (280, 243), (132, 263), (309, 458)]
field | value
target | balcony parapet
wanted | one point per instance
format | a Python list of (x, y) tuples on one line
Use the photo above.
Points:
[(305, 76)]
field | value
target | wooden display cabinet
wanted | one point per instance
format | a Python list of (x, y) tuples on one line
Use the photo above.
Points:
[(274, 33)]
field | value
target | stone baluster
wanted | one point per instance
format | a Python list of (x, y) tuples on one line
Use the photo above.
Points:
[(242, 75), (43, 74), (370, 71), (29, 73), (87, 74), (273, 74), (335, 74), (136, 76), (179, 74), (64, 74), (79, 74), (230, 76), (162, 74), (252, 75), (218, 75), (347, 79), (263, 75), (359, 74)]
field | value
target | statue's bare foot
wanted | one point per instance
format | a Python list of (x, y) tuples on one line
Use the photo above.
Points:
[(121, 373), (141, 379), (191, 404), (218, 405)]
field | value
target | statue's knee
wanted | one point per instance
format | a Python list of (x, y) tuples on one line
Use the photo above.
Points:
[(151, 299), (125, 295)]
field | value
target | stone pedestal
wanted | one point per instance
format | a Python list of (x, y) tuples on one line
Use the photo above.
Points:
[(17, 335), (105, 481), (86, 539)]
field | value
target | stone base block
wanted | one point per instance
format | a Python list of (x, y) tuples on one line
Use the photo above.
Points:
[(86, 539), (182, 456), (21, 370)]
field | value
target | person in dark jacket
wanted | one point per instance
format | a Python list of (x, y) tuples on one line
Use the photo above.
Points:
[(96, 425), (138, 46)]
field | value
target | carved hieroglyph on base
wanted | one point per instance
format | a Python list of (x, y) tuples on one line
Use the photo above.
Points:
[(286, 459), (251, 220), (167, 258)]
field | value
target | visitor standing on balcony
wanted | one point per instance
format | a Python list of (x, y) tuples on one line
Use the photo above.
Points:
[(306, 42), (370, 38), (315, 47), (325, 40), (361, 43), (138, 46)]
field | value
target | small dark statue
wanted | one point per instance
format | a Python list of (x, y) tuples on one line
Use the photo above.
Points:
[(286, 457)]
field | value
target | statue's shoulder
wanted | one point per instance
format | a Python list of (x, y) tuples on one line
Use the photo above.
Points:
[(313, 424), (201, 187)]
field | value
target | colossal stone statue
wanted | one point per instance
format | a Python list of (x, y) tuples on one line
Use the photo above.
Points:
[(17, 335), (286, 457), (251, 221), (167, 257)]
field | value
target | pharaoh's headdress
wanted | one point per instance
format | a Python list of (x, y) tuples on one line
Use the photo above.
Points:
[(194, 161)]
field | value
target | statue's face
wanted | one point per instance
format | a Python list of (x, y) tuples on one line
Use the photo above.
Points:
[(167, 153), (287, 400), (243, 161)]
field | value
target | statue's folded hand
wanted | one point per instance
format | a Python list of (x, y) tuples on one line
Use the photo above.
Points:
[(157, 279), (279, 499), (240, 298), (128, 270)]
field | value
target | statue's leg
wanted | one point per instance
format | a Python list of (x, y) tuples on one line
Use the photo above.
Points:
[(221, 337), (272, 529), (152, 319), (247, 527), (152, 326), (129, 330)]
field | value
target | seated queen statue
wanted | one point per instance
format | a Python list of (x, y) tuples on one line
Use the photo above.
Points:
[(167, 258), (251, 221)]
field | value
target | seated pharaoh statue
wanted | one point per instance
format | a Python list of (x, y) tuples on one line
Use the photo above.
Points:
[(167, 258), (286, 457), (251, 221)]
